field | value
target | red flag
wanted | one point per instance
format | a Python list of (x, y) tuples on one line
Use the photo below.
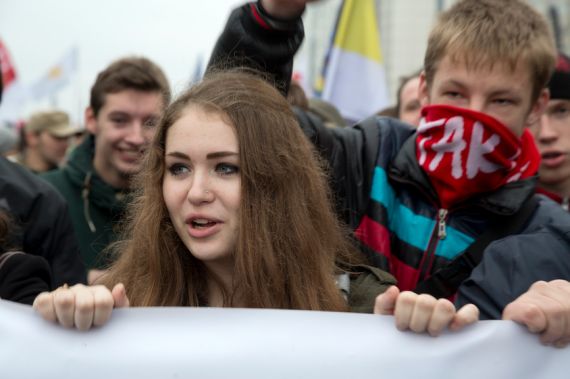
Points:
[(8, 70)]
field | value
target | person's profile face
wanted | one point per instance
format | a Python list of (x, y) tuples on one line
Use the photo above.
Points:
[(497, 91), (410, 107), (202, 185), (552, 136), (52, 149)]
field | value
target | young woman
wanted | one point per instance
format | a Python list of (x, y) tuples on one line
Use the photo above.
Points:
[(234, 210)]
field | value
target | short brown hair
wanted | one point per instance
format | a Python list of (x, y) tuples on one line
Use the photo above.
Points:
[(484, 32), (136, 73)]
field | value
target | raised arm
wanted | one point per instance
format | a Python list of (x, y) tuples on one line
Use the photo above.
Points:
[(262, 35)]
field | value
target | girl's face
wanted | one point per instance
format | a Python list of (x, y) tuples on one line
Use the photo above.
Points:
[(202, 184)]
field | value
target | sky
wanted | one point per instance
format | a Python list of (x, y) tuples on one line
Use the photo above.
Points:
[(172, 33)]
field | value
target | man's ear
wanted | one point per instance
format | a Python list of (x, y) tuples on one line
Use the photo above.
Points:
[(538, 108), (423, 89), (90, 120)]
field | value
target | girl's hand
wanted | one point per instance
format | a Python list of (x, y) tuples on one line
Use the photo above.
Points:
[(421, 313), (80, 306)]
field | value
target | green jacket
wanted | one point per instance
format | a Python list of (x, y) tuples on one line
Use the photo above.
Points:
[(367, 282), (94, 206)]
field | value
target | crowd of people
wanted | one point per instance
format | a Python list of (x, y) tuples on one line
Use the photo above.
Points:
[(243, 193)]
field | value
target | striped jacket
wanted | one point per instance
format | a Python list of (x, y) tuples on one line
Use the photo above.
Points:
[(384, 195)]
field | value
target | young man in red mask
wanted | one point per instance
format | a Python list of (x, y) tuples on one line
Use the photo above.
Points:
[(417, 201)]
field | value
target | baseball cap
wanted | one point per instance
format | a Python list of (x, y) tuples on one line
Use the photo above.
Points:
[(56, 123)]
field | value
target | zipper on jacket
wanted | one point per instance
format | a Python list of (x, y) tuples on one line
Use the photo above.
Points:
[(441, 219), (85, 196), (439, 233)]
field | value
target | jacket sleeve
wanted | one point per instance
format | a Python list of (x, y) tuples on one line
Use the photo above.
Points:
[(253, 39), (511, 265), (48, 232), (351, 154), (23, 277), (488, 288)]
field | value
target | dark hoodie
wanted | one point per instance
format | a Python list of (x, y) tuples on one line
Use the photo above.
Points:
[(95, 207)]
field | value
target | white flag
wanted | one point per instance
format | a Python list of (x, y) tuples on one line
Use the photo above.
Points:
[(57, 77), (355, 77)]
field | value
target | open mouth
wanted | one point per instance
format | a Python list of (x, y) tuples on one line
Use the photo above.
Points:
[(551, 155), (553, 159), (202, 223)]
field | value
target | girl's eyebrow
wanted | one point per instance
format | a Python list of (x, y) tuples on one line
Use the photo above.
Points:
[(215, 155), (177, 154), (220, 154)]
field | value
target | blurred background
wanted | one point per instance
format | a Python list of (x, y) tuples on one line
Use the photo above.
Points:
[(52, 50)]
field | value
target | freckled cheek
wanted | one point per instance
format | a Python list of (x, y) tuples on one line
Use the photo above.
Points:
[(174, 196)]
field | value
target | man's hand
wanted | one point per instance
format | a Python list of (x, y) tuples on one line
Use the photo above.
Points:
[(544, 309), (284, 9), (80, 306), (421, 313)]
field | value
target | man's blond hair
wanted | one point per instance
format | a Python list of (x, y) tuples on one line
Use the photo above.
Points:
[(481, 33)]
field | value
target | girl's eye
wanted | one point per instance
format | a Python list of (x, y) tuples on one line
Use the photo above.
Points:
[(178, 169), (227, 169)]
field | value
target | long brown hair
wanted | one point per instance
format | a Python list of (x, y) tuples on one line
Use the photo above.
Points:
[(289, 236)]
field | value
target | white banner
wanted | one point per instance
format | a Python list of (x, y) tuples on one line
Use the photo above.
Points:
[(243, 343)]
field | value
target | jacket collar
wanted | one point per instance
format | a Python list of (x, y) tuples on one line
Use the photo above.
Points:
[(405, 169), (82, 174)]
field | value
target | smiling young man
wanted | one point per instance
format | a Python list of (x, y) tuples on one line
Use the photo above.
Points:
[(552, 136), (418, 200), (126, 101)]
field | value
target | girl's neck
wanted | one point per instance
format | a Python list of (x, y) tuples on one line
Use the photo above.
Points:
[(220, 281)]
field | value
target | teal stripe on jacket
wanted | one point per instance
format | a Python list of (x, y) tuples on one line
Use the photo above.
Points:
[(412, 228)]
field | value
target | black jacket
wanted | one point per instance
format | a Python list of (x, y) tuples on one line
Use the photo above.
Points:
[(42, 224), (23, 277), (511, 265)]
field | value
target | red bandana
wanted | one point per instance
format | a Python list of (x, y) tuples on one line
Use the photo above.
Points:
[(465, 153)]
